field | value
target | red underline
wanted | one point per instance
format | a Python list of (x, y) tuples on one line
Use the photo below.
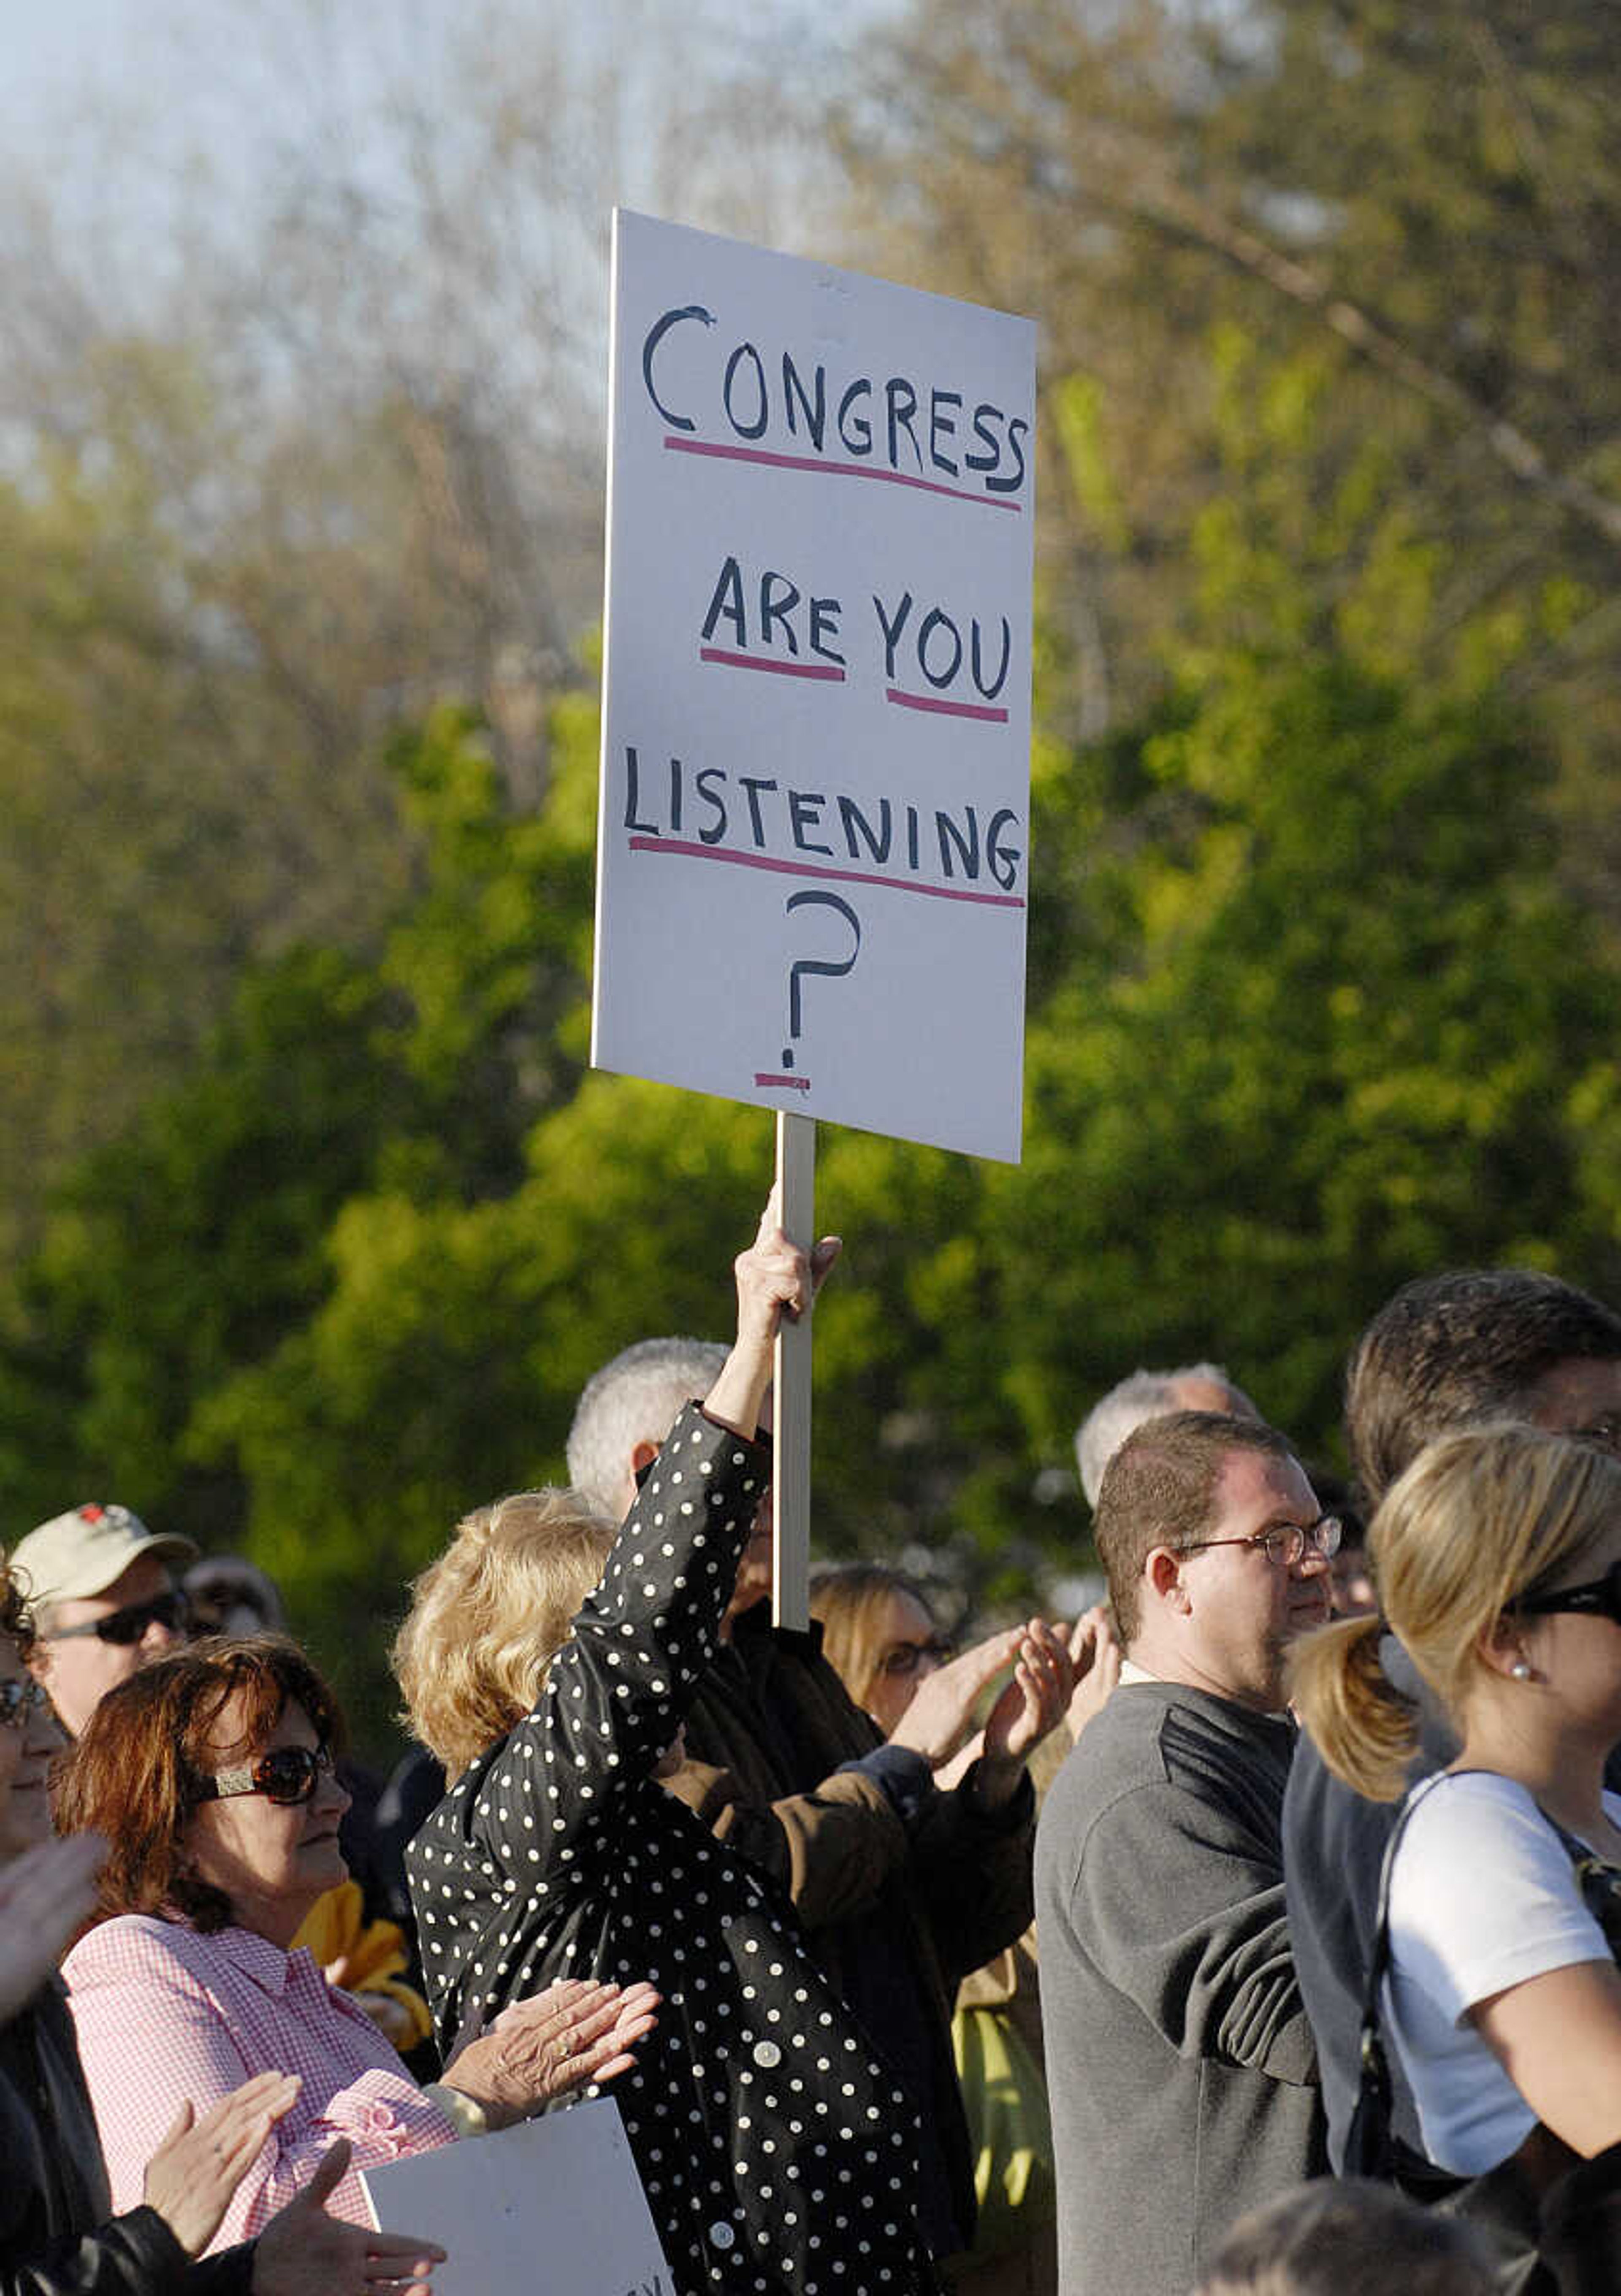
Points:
[(791, 1083), (944, 709), (836, 469), (778, 668), (696, 852)]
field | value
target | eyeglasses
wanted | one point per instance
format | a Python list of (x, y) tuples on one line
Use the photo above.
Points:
[(904, 1659), (18, 1700), (1287, 1543), (1600, 1596), (286, 1775), (127, 1625)]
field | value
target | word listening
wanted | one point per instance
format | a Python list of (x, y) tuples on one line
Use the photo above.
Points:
[(710, 804)]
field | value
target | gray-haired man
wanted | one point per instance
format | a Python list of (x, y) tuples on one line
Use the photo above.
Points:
[(1150, 1395)]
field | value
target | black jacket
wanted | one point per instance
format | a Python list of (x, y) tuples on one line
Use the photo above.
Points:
[(57, 2234), (779, 2156)]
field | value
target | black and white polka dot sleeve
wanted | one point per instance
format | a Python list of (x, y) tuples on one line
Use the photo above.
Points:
[(619, 1688)]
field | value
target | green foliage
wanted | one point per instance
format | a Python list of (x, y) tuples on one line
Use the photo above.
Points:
[(327, 1219), (193, 1243), (1347, 1041), (1330, 269), (1308, 1014)]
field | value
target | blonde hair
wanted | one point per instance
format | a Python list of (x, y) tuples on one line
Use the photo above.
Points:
[(851, 1600), (1476, 1521), (488, 1617)]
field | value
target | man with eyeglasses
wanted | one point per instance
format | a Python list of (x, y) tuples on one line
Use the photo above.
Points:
[(1448, 1350), (1180, 2065), (104, 1596)]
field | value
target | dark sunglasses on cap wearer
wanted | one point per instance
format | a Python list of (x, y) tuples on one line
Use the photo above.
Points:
[(18, 1700), (286, 1775), (128, 1624)]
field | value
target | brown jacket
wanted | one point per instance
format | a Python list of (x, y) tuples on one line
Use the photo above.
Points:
[(898, 1903)]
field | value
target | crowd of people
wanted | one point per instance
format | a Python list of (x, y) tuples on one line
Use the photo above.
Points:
[(1253, 1931)]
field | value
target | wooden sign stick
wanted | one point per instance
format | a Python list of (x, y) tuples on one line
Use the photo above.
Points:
[(791, 1423)]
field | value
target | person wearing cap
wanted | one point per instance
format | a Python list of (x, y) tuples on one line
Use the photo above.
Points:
[(102, 1589)]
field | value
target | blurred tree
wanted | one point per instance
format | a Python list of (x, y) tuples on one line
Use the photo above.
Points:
[(194, 1242), (1309, 1013), (301, 434), (1426, 208), (1323, 962), (151, 843)]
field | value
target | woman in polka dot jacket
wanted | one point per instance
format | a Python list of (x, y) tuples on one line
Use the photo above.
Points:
[(777, 2154)]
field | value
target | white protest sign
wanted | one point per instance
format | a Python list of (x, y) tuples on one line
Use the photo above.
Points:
[(812, 848), (553, 2203)]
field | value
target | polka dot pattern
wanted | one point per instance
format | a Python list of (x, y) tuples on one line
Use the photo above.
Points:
[(777, 2152)]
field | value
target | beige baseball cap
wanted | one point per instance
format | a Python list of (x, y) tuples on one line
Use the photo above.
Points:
[(81, 1552)]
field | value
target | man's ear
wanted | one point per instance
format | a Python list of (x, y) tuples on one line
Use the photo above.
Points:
[(641, 1457), (1167, 1586)]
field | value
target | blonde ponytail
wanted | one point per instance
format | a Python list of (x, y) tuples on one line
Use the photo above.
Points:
[(1477, 1518), (1361, 1724)]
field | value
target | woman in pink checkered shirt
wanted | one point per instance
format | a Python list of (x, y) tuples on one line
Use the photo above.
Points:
[(210, 1774)]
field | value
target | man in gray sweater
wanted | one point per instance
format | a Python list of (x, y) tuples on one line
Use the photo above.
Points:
[(1180, 2066)]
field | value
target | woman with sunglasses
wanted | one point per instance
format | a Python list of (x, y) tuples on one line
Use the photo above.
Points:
[(209, 1774), (58, 2236), (1498, 1556), (881, 1636)]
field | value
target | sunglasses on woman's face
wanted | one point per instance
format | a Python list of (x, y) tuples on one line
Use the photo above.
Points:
[(126, 1625), (1600, 1597), (286, 1775)]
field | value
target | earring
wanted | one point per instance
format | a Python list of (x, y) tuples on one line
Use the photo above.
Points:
[(1521, 1669)]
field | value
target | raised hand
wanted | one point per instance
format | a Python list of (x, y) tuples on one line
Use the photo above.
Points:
[(541, 2049), (773, 1279), (944, 1708), (46, 1896), (1033, 1704), (1095, 1655), (192, 2176), (303, 2251)]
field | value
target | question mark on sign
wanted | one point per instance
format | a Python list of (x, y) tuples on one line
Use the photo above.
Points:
[(804, 965)]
